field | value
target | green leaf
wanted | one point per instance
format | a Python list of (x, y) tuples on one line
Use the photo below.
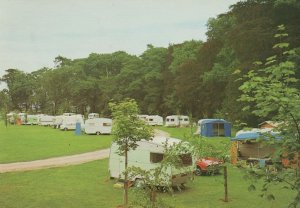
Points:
[(257, 63), (281, 45), (281, 35), (271, 58)]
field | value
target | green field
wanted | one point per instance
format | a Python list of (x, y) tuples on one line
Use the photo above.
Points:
[(88, 185), (25, 143)]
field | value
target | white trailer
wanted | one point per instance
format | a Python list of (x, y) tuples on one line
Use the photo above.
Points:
[(93, 115), (147, 156), (184, 120), (69, 122), (45, 120), (98, 126), (11, 117), (154, 120), (58, 121), (142, 117), (177, 120), (32, 120), (68, 114)]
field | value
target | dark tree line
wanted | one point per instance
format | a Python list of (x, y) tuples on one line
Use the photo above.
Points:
[(195, 78)]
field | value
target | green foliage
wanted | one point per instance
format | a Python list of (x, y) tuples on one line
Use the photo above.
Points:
[(271, 91), (128, 129), (186, 51)]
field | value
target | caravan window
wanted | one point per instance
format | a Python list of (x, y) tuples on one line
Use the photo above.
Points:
[(106, 124), (156, 157), (150, 119), (186, 159), (172, 119)]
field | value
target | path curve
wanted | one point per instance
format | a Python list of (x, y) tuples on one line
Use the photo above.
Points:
[(55, 161), (64, 160)]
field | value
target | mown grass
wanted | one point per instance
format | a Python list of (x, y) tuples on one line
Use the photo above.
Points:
[(88, 185), (25, 143)]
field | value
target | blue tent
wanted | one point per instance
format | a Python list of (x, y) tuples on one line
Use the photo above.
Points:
[(214, 128)]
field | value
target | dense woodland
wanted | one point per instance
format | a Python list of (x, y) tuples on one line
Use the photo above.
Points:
[(196, 78)]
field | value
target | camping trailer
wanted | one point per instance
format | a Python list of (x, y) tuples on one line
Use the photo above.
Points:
[(147, 156), (214, 128), (32, 120), (69, 122), (143, 117), (154, 120), (11, 118), (98, 126), (93, 115), (45, 120), (177, 120), (68, 114), (57, 121)]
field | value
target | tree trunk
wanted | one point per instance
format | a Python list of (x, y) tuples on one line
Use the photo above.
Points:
[(152, 197), (126, 178), (225, 184)]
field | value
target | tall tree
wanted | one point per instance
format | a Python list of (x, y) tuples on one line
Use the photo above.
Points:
[(128, 129), (270, 88)]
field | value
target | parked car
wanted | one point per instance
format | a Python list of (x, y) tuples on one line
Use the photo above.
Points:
[(208, 166)]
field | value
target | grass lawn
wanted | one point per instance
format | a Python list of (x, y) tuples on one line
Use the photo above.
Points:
[(25, 143), (87, 185)]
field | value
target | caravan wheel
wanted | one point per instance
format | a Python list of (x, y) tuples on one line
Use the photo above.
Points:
[(198, 172), (98, 133), (65, 129)]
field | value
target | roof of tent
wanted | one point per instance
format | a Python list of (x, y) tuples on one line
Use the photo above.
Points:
[(204, 121), (254, 134)]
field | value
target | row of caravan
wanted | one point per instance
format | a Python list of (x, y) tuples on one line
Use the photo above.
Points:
[(171, 121), (67, 121)]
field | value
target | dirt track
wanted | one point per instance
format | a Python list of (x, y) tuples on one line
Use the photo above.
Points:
[(54, 162), (62, 161)]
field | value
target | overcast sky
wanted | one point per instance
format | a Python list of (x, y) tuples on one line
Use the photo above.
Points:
[(34, 32)]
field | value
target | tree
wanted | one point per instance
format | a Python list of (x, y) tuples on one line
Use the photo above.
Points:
[(128, 129), (270, 90), (20, 88)]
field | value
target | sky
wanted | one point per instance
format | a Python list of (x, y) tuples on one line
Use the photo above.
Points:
[(34, 32)]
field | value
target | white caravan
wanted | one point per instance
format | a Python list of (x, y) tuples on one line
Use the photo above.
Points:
[(32, 120), (93, 115), (68, 114), (147, 156), (98, 126), (45, 120), (142, 117), (57, 121), (11, 117), (69, 122), (154, 120), (177, 120)]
